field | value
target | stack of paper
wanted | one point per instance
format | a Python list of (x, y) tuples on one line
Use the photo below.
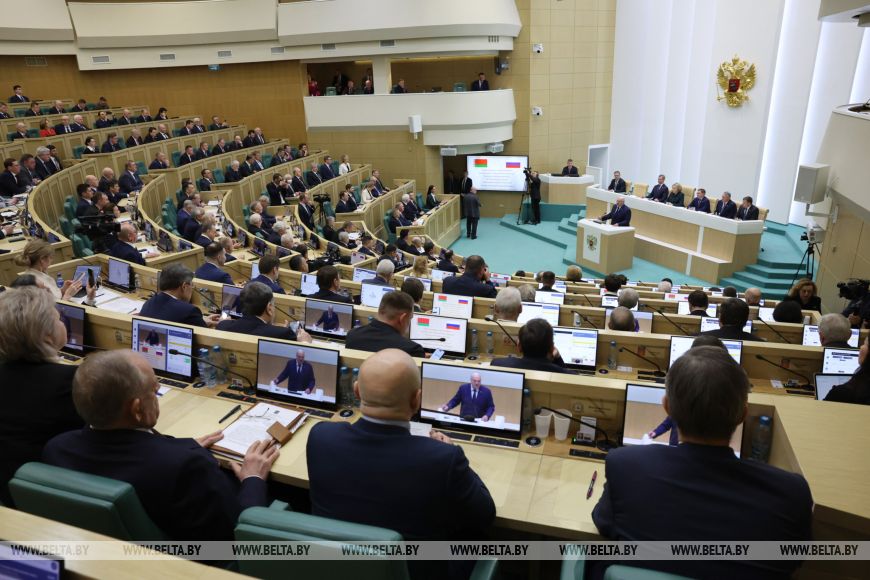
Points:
[(253, 426)]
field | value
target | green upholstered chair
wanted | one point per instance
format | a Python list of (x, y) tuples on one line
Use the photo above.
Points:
[(176, 157), (69, 210), (11, 135), (32, 133), (327, 209), (357, 194), (419, 201), (141, 168), (65, 226), (99, 504), (77, 151), (631, 573), (335, 166), (459, 87), (331, 91), (391, 237), (267, 160), (573, 569), (264, 524), (20, 112), (294, 152), (218, 175)]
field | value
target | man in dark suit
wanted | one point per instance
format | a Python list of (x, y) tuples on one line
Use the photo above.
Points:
[(145, 116), (119, 442), (111, 145), (297, 184), (20, 132), (126, 118), (534, 195), (733, 314), (4, 111), (216, 124), (198, 127), (27, 175), (441, 496), (328, 321), (220, 147), (64, 127), (78, 124), (135, 139), (250, 139), (747, 211), (305, 211), (34, 110), (159, 162), (325, 170), (298, 373), (162, 133), (700, 203), (571, 169), (187, 129), (269, 274), (233, 174), (172, 302), (473, 282), (396, 221), (80, 107), (481, 84), (130, 181), (328, 284), (247, 168), (313, 178), (205, 181), (203, 151), (473, 399), (445, 264), (399, 88), (18, 95), (620, 214), (257, 306), (56, 109), (85, 193), (103, 121), (536, 346), (10, 182), (389, 329), (465, 183), (187, 157), (410, 211), (472, 213), (124, 249), (725, 207), (617, 184), (698, 303), (702, 491), (660, 191), (346, 203), (212, 267)]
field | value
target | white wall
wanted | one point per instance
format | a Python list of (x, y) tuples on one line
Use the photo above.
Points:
[(35, 20)]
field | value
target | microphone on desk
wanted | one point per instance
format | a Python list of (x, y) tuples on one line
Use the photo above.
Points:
[(607, 445), (586, 318), (589, 301), (666, 317), (249, 390), (658, 372), (775, 331), (440, 339), (208, 299), (491, 318), (770, 362)]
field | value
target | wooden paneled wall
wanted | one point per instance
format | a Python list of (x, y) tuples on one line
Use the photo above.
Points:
[(264, 94)]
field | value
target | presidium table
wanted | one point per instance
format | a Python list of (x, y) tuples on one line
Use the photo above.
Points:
[(604, 248), (561, 189), (701, 245)]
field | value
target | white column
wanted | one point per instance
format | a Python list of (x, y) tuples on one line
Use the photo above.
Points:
[(383, 78), (796, 56), (861, 85)]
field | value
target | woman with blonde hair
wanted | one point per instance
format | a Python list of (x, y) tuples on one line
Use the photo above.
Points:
[(421, 267), (37, 257), (805, 292), (37, 388), (676, 197), (344, 166)]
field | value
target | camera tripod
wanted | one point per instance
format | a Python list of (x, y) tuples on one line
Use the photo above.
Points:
[(810, 258), (520, 211)]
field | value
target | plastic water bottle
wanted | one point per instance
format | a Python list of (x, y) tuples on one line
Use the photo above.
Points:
[(218, 358), (59, 281), (612, 355), (354, 379), (206, 372), (490, 343), (345, 389), (371, 318), (761, 440), (357, 323), (577, 320), (475, 346), (528, 412)]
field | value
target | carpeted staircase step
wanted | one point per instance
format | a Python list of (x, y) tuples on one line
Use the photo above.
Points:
[(778, 274)]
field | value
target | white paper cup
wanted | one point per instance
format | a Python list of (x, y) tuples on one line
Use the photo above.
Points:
[(542, 423), (562, 424)]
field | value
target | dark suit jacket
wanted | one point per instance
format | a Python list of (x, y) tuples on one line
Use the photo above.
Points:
[(465, 285), (37, 406), (306, 214), (465, 185), (133, 142), (181, 218), (209, 271), (101, 124), (439, 493), (82, 207), (702, 205), (573, 171), (732, 333), (325, 172), (330, 296), (19, 136), (158, 165), (618, 216), (617, 186), (529, 364), (185, 159), (298, 185), (180, 484), (218, 150), (855, 390), (431, 201), (276, 288), (313, 179), (130, 182), (747, 214), (124, 251), (397, 223), (658, 193), (448, 266), (61, 129), (348, 207), (728, 210), (702, 493), (200, 154), (480, 86), (328, 321), (162, 306), (472, 206), (144, 119), (78, 127), (203, 184), (376, 336), (122, 120), (18, 99), (482, 405), (109, 147), (161, 137), (246, 169), (203, 241), (411, 211), (10, 184), (186, 131), (232, 175), (253, 325), (297, 381), (191, 230)]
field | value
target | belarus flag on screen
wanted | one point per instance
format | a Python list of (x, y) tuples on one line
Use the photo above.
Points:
[(422, 322), (512, 164), (480, 162), (442, 298)]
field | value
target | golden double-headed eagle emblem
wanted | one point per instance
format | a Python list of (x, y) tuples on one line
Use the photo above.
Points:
[(735, 78)]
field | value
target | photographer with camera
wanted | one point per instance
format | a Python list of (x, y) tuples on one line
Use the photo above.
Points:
[(857, 292), (534, 194)]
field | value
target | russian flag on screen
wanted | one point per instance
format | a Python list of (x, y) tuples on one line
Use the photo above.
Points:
[(461, 301), (480, 162), (452, 326), (422, 322), (512, 164)]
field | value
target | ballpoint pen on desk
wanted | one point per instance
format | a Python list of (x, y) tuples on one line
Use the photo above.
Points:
[(232, 412), (592, 484)]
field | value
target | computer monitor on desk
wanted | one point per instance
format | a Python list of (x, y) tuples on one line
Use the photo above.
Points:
[(549, 297), (476, 400), (841, 361), (681, 344), (331, 319), (452, 305), (499, 280), (439, 275), (549, 312), (120, 275), (360, 274), (73, 318), (306, 375), (644, 319), (577, 346), (427, 283), (644, 413), (685, 308), (708, 324), (439, 333), (230, 301), (155, 340), (371, 294), (811, 336), (826, 382)]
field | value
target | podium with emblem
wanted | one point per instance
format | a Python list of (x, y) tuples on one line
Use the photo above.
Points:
[(604, 248)]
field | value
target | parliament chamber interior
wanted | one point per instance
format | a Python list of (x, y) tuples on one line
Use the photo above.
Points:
[(380, 289)]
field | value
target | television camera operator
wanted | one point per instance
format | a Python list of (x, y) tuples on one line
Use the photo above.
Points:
[(534, 183), (857, 292)]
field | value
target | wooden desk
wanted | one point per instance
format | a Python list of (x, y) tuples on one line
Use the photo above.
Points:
[(564, 190), (440, 225), (701, 245), (604, 248)]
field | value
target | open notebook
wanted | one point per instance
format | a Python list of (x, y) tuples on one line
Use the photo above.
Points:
[(260, 422)]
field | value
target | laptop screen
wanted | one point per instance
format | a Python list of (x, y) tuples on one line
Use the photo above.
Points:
[(708, 323), (811, 336), (549, 312), (681, 344), (119, 274), (371, 294), (843, 361), (73, 318), (360, 274), (549, 297), (155, 340), (230, 300), (824, 384), (578, 346)]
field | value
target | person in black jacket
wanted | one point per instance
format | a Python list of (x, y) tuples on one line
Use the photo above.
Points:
[(203, 502), (535, 195), (37, 389), (857, 389), (172, 302), (473, 282), (536, 346), (258, 312), (747, 211), (733, 314), (329, 283), (446, 263), (389, 329), (806, 293), (725, 207)]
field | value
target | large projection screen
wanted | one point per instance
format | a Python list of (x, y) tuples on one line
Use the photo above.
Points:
[(497, 172)]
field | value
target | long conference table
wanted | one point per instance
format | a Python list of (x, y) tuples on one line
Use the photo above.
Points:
[(702, 245)]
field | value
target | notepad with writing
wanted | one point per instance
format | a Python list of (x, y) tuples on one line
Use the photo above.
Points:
[(260, 422)]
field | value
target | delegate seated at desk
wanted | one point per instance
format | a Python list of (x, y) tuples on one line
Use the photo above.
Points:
[(617, 184), (725, 207), (474, 400), (298, 373), (700, 203), (570, 170), (620, 214), (659, 192)]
